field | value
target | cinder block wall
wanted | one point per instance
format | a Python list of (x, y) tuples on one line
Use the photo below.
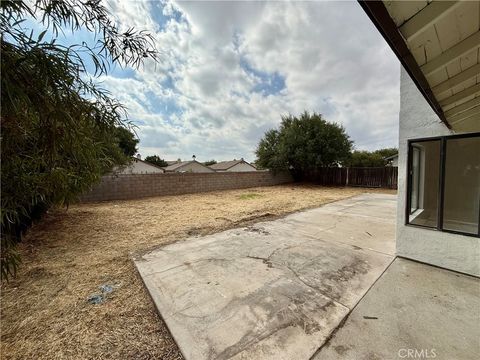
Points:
[(135, 186)]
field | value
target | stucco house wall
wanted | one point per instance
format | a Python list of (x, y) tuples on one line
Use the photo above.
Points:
[(452, 251)]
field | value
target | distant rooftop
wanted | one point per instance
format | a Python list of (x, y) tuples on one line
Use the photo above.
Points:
[(176, 164), (225, 165)]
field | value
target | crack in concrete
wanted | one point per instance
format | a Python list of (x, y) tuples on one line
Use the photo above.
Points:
[(292, 315), (270, 263), (187, 263), (299, 277), (264, 260), (342, 323), (334, 226), (275, 251)]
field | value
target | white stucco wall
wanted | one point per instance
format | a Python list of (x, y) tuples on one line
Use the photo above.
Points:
[(241, 167), (139, 167), (451, 251)]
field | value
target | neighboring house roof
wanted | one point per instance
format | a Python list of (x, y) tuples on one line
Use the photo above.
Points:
[(135, 167), (225, 165), (178, 165), (148, 163), (172, 162)]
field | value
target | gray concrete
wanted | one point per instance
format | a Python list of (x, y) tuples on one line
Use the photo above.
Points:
[(275, 290), (413, 306)]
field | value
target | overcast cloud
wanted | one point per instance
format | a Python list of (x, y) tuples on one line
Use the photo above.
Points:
[(229, 70)]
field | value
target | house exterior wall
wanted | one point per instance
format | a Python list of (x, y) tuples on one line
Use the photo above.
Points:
[(451, 251), (240, 167), (139, 167)]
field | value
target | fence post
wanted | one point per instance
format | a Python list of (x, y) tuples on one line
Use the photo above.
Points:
[(346, 181)]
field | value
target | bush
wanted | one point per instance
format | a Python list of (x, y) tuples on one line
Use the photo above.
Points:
[(58, 128), (371, 158)]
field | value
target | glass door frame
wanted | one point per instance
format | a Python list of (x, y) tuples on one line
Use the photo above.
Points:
[(441, 188), (416, 150)]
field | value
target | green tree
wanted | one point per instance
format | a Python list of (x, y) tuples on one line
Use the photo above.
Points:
[(57, 125), (386, 152), (210, 162), (304, 143), (365, 159), (371, 158), (156, 160), (127, 141), (269, 154)]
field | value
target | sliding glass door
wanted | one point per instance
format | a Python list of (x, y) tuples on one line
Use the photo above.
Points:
[(462, 185), (444, 183)]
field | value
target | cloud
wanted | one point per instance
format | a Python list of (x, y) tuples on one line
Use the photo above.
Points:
[(229, 70)]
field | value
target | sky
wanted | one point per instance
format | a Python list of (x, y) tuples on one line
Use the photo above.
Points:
[(229, 70)]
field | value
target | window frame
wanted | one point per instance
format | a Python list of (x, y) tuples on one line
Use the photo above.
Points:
[(415, 150), (441, 188)]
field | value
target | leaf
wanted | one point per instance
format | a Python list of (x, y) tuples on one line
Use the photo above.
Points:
[(42, 34)]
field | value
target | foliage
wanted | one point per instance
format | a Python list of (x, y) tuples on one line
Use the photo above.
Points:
[(210, 162), (386, 152), (127, 141), (269, 152), (57, 125), (304, 143), (257, 165), (365, 159), (371, 159), (156, 160)]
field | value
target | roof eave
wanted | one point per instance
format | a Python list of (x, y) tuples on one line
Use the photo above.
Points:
[(380, 17)]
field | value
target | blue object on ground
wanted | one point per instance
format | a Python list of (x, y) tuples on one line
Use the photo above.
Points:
[(100, 298), (106, 288), (95, 299)]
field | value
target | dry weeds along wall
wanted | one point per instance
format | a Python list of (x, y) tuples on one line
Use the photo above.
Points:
[(123, 187)]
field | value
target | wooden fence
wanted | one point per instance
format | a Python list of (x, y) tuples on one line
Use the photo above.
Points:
[(381, 177)]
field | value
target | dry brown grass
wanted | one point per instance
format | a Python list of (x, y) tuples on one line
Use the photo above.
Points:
[(71, 253)]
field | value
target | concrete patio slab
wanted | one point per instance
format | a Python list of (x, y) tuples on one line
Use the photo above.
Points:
[(275, 290), (413, 311)]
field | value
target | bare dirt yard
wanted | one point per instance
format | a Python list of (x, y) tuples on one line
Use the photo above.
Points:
[(71, 253)]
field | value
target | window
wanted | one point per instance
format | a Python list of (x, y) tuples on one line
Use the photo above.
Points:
[(462, 185), (425, 172), (444, 183)]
